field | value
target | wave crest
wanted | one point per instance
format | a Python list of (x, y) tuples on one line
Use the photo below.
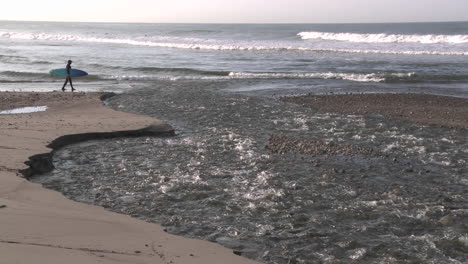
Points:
[(174, 74), (356, 77), (211, 44), (385, 38)]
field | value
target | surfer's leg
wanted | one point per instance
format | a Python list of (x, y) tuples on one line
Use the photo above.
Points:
[(71, 84), (66, 81)]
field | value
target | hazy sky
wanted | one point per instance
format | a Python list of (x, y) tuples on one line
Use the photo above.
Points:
[(236, 11)]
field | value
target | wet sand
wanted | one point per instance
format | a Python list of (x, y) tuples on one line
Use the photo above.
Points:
[(40, 225), (427, 109)]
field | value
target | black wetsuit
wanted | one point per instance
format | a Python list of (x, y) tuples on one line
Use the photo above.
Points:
[(68, 78)]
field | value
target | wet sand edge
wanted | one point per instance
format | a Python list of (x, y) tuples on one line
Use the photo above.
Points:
[(40, 224), (436, 110)]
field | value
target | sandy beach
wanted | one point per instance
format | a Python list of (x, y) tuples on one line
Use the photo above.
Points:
[(40, 225)]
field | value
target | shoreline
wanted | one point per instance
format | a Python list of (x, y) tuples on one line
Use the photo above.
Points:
[(41, 224)]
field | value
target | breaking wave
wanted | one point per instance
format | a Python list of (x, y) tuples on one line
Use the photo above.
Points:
[(182, 71), (356, 77), (191, 74), (174, 74), (385, 38), (212, 44)]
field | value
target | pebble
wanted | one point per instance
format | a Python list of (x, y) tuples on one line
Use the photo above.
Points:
[(228, 242), (392, 105), (128, 199), (282, 144), (446, 220)]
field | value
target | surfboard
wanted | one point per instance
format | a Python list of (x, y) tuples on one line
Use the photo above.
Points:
[(63, 72)]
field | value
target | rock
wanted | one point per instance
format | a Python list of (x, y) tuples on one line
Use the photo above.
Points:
[(446, 220), (229, 242), (38, 164), (127, 199), (408, 170)]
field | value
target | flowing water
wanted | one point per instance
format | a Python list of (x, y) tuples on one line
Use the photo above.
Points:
[(216, 180)]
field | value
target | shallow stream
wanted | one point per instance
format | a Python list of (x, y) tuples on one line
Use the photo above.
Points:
[(217, 181)]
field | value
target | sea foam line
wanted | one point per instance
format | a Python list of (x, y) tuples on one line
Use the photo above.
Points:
[(356, 77), (385, 38), (192, 43)]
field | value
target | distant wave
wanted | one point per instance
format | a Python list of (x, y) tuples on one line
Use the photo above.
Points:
[(200, 44), (385, 38), (173, 74), (380, 77), (2, 56), (398, 52), (11, 59), (356, 77), (16, 74), (183, 71), (156, 73)]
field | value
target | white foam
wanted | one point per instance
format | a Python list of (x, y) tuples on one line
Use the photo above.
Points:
[(369, 203), (447, 140), (211, 44), (385, 38), (356, 77), (263, 229), (358, 253), (399, 52), (464, 239), (391, 146), (417, 149), (302, 121), (24, 110)]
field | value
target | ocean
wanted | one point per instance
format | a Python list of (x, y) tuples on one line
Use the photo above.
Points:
[(218, 86), (338, 56)]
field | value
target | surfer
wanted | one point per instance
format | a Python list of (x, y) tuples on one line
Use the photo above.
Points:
[(68, 78)]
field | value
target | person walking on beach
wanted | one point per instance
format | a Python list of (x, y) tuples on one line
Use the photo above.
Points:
[(68, 78)]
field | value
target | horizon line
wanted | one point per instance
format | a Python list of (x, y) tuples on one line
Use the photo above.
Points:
[(235, 23)]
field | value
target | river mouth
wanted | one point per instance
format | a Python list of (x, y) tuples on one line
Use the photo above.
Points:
[(382, 190)]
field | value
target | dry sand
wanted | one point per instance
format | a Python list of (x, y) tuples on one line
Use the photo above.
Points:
[(42, 226), (436, 110)]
